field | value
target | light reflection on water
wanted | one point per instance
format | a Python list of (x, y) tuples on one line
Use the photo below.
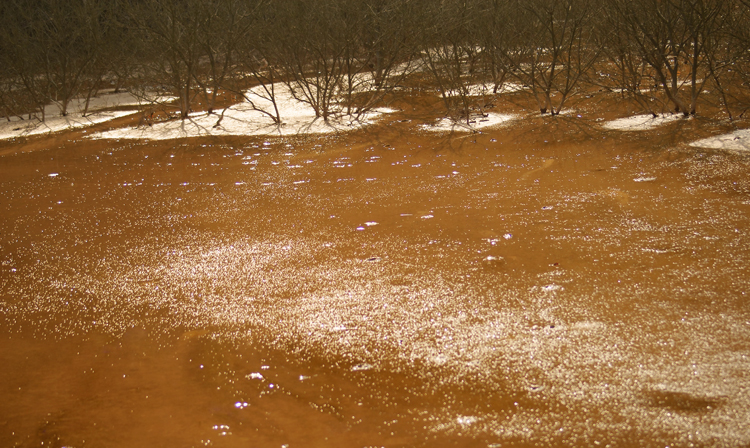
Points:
[(490, 296)]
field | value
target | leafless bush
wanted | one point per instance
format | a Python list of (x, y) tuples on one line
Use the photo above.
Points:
[(675, 45), (344, 58), (453, 54), (52, 50), (552, 48)]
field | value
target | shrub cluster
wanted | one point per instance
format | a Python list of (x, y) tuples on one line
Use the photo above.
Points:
[(343, 56)]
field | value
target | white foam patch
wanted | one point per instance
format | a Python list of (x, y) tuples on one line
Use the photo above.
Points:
[(736, 141), (247, 119), (640, 122), (476, 122)]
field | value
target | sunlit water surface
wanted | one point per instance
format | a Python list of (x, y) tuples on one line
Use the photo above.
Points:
[(375, 290)]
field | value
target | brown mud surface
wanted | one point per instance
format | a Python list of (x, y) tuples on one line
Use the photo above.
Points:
[(541, 284)]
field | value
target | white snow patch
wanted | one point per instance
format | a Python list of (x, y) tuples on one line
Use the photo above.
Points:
[(53, 122), (18, 128), (488, 89), (641, 91), (737, 141), (640, 122), (478, 122), (121, 99), (245, 119)]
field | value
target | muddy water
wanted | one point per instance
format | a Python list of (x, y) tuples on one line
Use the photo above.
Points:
[(388, 288)]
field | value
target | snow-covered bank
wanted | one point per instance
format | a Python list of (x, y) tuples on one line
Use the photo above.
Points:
[(18, 128), (487, 89), (246, 119), (53, 122), (478, 122), (735, 141), (640, 122)]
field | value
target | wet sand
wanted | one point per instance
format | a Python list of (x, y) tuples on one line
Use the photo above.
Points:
[(543, 284)]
